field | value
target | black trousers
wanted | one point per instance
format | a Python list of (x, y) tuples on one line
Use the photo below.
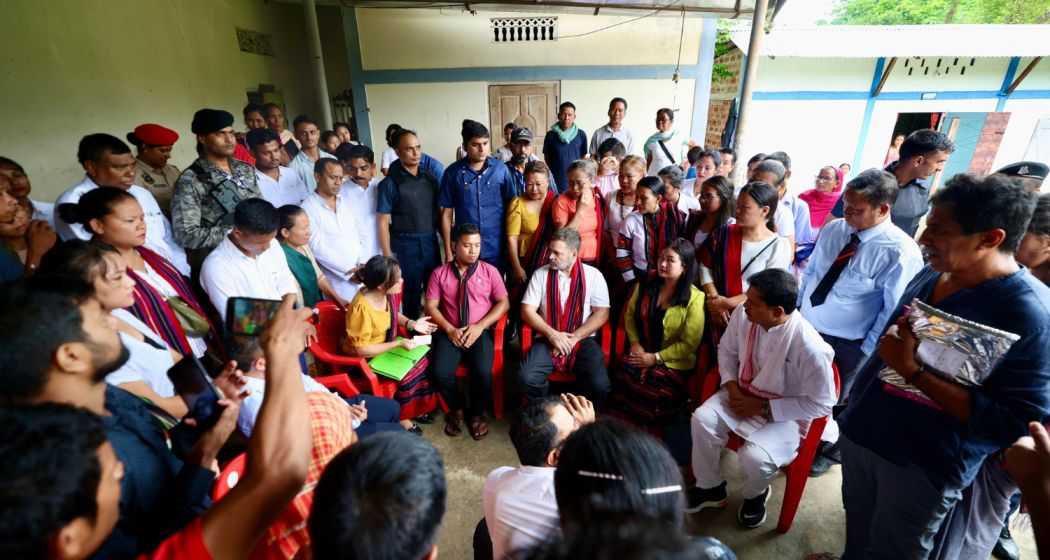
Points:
[(591, 377), (445, 357), (849, 357)]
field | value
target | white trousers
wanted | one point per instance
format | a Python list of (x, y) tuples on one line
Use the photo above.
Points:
[(710, 434)]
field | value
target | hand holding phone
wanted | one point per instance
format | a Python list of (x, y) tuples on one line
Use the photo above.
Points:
[(195, 386), (249, 316)]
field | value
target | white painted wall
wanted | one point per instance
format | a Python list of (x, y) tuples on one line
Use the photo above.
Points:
[(813, 133), (1024, 114), (436, 110), (453, 38), (985, 74), (811, 74)]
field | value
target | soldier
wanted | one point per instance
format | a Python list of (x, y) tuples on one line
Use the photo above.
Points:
[(210, 188), (153, 143)]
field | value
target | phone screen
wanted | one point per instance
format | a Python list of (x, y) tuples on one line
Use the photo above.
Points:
[(249, 316), (194, 385)]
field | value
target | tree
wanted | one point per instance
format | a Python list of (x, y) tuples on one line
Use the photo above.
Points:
[(914, 12)]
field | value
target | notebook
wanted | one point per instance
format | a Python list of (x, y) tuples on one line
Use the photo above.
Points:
[(397, 362)]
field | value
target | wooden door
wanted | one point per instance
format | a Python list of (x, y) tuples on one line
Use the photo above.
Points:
[(533, 105)]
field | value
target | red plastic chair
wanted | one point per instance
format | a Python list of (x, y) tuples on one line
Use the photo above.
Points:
[(797, 471), (498, 385), (558, 376), (229, 477), (330, 322)]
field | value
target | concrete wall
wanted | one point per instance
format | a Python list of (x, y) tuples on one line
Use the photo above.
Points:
[(74, 67), (453, 38), (455, 44)]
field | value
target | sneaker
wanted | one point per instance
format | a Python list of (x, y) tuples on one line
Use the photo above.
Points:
[(753, 511), (820, 466), (697, 499)]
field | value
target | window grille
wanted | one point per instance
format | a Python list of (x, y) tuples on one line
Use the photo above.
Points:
[(524, 29), (943, 66)]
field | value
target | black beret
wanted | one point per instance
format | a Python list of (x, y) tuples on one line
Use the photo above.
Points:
[(207, 121)]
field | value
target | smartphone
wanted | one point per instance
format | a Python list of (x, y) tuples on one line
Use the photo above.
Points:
[(194, 385), (249, 316)]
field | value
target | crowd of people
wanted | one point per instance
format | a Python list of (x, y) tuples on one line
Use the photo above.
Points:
[(644, 288)]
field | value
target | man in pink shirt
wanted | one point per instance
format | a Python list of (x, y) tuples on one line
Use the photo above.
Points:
[(465, 297)]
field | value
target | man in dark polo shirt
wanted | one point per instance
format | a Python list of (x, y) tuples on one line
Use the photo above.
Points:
[(408, 216), (923, 154)]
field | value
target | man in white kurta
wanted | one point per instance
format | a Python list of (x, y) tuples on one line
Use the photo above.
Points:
[(334, 237), (776, 376), (362, 187)]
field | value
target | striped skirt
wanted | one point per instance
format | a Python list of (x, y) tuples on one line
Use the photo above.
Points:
[(652, 395), (415, 393)]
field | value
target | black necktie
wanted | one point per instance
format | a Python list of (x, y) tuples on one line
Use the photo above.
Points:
[(828, 281)]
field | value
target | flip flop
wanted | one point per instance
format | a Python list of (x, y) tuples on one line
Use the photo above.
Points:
[(416, 429), (478, 428)]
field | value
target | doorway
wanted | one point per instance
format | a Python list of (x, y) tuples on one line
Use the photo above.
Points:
[(532, 105)]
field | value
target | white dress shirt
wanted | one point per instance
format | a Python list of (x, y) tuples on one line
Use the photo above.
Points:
[(287, 189), (335, 241), (148, 361), (363, 202), (520, 508), (304, 168), (597, 290), (44, 211), (159, 236), (389, 157), (687, 202), (606, 132), (784, 219), (798, 210), (869, 288), (228, 272)]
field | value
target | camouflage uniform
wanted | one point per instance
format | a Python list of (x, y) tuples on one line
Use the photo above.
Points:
[(203, 202)]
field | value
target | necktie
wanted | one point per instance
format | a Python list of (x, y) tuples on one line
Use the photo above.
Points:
[(828, 281)]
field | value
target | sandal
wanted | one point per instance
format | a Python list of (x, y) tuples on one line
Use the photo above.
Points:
[(478, 428), (416, 429), (453, 424), (427, 418)]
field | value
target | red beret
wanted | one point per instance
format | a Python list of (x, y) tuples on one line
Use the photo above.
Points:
[(155, 135)]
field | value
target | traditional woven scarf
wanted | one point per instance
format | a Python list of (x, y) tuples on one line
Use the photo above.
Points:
[(537, 253), (721, 254), (568, 318), (393, 301), (650, 316), (566, 136), (151, 307), (303, 270), (462, 297), (661, 228)]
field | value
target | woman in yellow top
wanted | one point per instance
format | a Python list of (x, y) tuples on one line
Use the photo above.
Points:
[(664, 320), (528, 223), (372, 321)]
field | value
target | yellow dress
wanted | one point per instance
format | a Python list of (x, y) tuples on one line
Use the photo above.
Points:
[(365, 324)]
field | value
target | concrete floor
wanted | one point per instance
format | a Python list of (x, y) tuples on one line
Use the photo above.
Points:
[(819, 525)]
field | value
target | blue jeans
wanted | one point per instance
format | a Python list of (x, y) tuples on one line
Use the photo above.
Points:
[(418, 255)]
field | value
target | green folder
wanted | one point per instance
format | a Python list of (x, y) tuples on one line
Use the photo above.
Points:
[(397, 362)]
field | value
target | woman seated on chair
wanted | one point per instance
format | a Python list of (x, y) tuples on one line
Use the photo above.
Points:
[(664, 320), (646, 232), (294, 235), (529, 224), (717, 208), (372, 322)]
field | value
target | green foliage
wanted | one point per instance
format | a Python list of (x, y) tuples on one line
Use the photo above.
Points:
[(912, 12), (723, 45)]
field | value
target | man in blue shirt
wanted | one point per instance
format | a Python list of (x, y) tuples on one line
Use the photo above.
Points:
[(855, 277), (408, 217), (521, 154), (564, 143), (905, 462), (923, 154), (474, 190)]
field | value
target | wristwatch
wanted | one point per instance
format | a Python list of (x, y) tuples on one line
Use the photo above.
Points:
[(659, 359)]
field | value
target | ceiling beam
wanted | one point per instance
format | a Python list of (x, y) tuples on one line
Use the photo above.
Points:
[(885, 76), (669, 8), (1024, 74)]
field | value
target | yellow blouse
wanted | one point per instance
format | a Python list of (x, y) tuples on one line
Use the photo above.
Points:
[(365, 324), (522, 222)]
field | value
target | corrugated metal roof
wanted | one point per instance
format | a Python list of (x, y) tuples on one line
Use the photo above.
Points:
[(872, 41), (721, 8)]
